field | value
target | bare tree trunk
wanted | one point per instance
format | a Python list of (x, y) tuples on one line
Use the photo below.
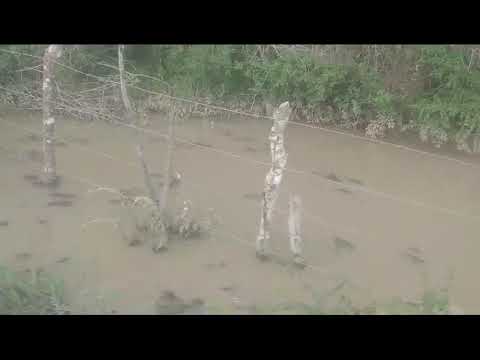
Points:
[(274, 176), (294, 229), (147, 178), (52, 53), (162, 240), (169, 160), (123, 87)]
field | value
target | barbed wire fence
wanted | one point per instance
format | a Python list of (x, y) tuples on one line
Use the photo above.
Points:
[(79, 104)]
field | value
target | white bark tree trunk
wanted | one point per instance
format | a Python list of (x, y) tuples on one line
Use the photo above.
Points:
[(123, 86), (294, 229), (162, 240), (52, 53), (169, 160), (274, 176)]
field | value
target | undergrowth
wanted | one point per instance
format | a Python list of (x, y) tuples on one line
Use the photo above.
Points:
[(34, 293), (432, 91)]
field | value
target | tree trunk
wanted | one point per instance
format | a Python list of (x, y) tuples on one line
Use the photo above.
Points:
[(169, 160), (147, 178), (294, 229), (162, 240), (123, 87), (52, 53), (274, 176)]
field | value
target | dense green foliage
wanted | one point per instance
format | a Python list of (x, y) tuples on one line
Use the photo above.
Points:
[(436, 92)]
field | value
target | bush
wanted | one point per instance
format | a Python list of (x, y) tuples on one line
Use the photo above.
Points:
[(41, 295), (449, 108), (437, 91)]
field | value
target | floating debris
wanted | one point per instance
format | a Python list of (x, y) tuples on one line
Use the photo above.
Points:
[(343, 245), (52, 185), (333, 177), (202, 144), (251, 149), (227, 288), (23, 256), (63, 260), (170, 304), (356, 181), (3, 222), (345, 191), (115, 201), (220, 265), (414, 255), (61, 203), (132, 192), (63, 195)]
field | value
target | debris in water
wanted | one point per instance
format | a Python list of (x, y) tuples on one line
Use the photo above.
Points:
[(333, 177), (62, 203), (221, 264), (53, 185), (63, 195), (63, 259), (227, 288), (3, 222), (202, 144), (356, 181), (23, 256), (342, 244), (415, 256), (132, 192), (170, 304), (115, 201), (345, 191)]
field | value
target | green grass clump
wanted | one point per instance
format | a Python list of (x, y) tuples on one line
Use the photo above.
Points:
[(39, 295)]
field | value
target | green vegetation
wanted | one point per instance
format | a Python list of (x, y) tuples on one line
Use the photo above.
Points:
[(432, 91), (431, 303), (30, 294)]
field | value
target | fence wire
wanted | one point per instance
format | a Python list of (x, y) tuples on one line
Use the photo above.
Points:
[(249, 114)]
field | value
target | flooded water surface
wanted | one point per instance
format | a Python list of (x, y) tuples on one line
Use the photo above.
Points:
[(386, 221)]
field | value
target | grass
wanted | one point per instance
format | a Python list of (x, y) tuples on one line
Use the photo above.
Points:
[(35, 293)]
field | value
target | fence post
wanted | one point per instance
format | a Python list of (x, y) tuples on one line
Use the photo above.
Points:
[(123, 87), (294, 229), (52, 53), (274, 176)]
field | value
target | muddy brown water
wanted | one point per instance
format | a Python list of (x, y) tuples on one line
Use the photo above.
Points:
[(103, 272)]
